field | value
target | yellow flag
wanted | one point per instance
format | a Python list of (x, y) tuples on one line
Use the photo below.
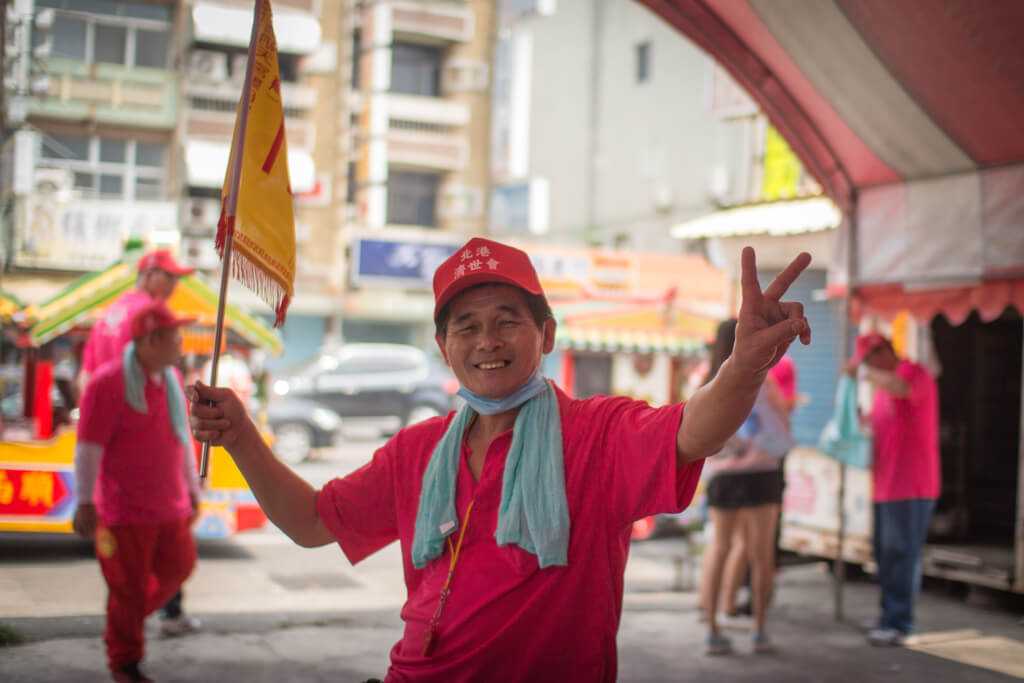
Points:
[(263, 249)]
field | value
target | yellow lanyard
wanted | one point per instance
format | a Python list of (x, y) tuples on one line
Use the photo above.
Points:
[(430, 635)]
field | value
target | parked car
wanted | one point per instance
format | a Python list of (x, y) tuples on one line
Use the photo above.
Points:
[(299, 425), (387, 385)]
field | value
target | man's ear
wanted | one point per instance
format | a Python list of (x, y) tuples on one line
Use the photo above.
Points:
[(548, 331), (440, 345)]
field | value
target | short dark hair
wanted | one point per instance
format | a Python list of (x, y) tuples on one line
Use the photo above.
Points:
[(537, 304)]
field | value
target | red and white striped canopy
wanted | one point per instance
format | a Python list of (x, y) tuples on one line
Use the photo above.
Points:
[(909, 113)]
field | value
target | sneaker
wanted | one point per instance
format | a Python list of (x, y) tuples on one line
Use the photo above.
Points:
[(717, 644), (736, 621), (180, 625), (870, 624), (761, 643), (882, 637), (130, 673)]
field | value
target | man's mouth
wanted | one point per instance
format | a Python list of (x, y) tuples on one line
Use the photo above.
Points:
[(492, 365)]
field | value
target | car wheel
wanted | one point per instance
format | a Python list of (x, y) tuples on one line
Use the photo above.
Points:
[(420, 413), (292, 442)]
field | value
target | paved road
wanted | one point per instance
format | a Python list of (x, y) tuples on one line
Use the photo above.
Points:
[(275, 612)]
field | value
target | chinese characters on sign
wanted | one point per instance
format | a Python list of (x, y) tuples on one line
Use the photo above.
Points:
[(31, 492), (409, 265)]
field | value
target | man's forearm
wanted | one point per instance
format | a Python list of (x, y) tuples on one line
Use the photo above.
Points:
[(889, 381), (286, 498), (715, 412)]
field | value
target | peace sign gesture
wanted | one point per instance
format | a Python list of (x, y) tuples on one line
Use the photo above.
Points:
[(766, 326)]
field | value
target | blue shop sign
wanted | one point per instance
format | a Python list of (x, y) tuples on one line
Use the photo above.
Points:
[(391, 263)]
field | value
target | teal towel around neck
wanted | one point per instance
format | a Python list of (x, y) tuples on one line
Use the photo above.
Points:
[(534, 512), (135, 394)]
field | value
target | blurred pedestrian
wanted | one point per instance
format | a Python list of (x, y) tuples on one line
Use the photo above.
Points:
[(906, 475), (744, 492), (513, 513), (136, 481), (781, 390), (158, 276)]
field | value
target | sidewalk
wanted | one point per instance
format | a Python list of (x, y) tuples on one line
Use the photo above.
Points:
[(660, 640)]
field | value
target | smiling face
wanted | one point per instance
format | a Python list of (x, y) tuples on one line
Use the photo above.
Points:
[(491, 340)]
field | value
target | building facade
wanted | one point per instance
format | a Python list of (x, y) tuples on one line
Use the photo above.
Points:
[(420, 164)]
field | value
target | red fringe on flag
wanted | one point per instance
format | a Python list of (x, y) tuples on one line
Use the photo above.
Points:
[(248, 273)]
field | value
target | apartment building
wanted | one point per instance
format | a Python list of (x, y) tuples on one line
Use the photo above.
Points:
[(421, 103), (90, 157)]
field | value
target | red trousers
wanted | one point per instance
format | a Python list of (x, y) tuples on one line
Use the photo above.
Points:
[(144, 565)]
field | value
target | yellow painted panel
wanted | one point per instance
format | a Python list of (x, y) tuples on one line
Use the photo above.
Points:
[(59, 450), (224, 473), (42, 527)]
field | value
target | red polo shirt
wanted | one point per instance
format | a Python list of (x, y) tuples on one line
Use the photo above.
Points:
[(141, 477), (506, 619), (109, 336)]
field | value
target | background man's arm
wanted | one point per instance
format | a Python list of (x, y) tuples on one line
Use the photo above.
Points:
[(889, 381), (286, 498)]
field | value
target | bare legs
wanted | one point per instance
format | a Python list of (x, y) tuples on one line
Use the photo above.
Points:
[(741, 536)]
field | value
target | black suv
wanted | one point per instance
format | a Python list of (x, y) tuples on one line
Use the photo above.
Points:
[(387, 385)]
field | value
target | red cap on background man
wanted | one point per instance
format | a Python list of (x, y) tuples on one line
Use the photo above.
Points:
[(164, 260), (866, 343), (481, 261), (156, 316)]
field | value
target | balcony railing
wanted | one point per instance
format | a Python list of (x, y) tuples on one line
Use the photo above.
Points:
[(109, 93), (429, 110), (428, 150), (449, 22)]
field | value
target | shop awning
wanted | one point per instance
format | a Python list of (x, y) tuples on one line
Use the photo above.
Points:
[(83, 302), (207, 162), (9, 305), (907, 114), (225, 25), (789, 217), (615, 325)]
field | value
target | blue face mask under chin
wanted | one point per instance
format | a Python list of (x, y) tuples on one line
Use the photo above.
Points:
[(496, 406)]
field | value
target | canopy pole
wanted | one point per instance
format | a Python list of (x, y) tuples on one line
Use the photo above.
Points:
[(839, 567), (231, 209)]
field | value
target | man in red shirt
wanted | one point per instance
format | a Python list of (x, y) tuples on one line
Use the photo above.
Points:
[(158, 276), (513, 513), (906, 474), (136, 481)]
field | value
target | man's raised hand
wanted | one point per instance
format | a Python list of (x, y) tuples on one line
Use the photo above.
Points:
[(766, 325)]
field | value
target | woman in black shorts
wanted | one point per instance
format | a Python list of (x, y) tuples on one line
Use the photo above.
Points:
[(744, 494)]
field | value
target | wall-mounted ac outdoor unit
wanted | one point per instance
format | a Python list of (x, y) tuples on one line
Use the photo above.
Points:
[(207, 67), (48, 181)]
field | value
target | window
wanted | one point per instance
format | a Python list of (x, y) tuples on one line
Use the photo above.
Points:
[(643, 62), (111, 168), (412, 198), (111, 31), (416, 69), (357, 51)]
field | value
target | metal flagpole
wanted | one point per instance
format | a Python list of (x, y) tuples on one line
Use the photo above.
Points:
[(231, 208)]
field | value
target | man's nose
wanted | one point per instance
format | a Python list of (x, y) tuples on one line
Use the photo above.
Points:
[(489, 338)]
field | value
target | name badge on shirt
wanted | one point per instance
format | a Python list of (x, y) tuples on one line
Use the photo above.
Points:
[(447, 526)]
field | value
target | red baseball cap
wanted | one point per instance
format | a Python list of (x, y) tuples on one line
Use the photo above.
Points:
[(480, 261), (156, 316), (865, 344), (164, 260)]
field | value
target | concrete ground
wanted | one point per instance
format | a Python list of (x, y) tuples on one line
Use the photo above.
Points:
[(980, 638)]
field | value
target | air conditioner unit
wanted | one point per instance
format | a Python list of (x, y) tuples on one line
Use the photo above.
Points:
[(207, 67), (203, 212), (49, 181), (238, 67), (199, 253)]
